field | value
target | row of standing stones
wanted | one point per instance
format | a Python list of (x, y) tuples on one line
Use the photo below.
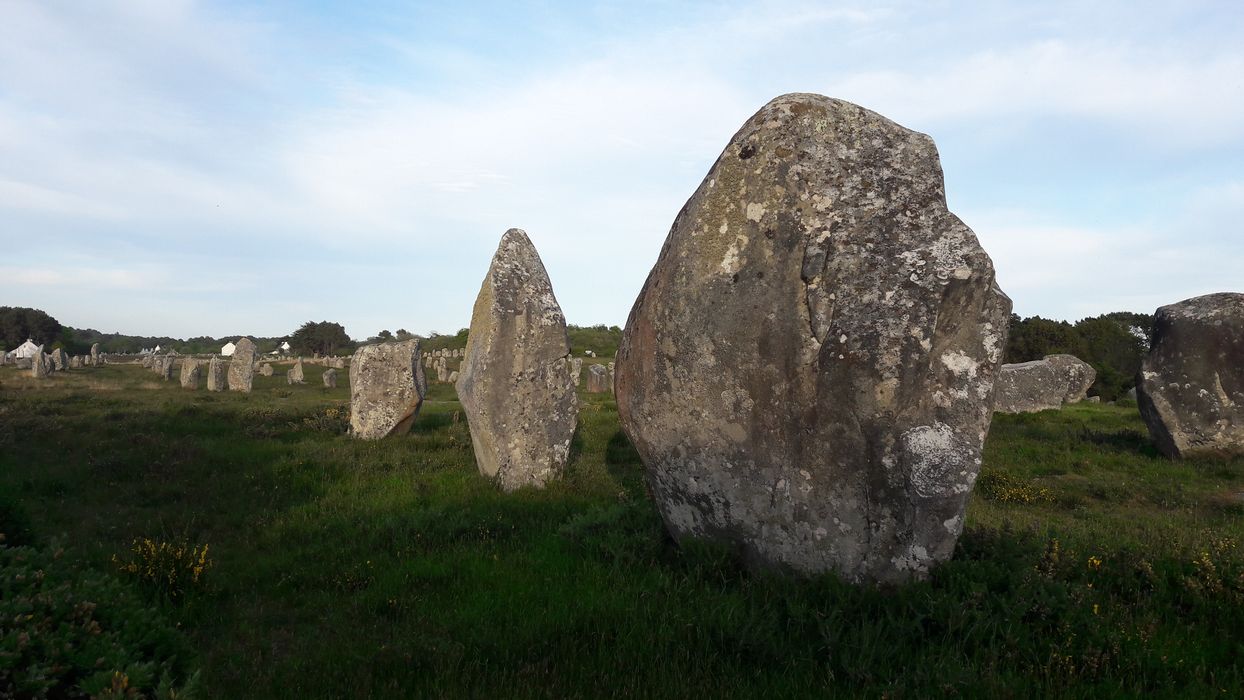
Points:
[(811, 367), (42, 364)]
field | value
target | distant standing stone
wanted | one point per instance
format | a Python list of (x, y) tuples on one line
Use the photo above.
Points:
[(1044, 384), (1191, 384), (597, 379), (576, 369), (191, 371), (216, 379), (60, 360), (808, 371), (387, 387), (166, 368), (514, 383), (296, 375), (266, 370), (94, 354), (242, 366), (453, 377), (75, 362), (330, 378)]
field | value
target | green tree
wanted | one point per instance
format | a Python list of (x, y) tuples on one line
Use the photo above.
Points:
[(323, 337), (17, 324)]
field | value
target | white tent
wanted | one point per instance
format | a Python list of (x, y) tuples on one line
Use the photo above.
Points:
[(26, 349), (284, 348), (227, 349)]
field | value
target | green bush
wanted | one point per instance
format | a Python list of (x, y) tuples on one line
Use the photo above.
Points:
[(67, 632)]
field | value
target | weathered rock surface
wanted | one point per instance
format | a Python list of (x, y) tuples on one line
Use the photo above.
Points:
[(40, 366), (60, 360), (94, 354), (296, 375), (330, 378), (387, 387), (597, 379), (514, 381), (242, 366), (1191, 384), (808, 371), (266, 370), (216, 380), (164, 368), (576, 369), (191, 371), (1040, 385)]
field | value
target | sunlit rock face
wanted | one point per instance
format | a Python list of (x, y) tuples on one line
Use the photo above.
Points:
[(515, 382), (1191, 384), (808, 371)]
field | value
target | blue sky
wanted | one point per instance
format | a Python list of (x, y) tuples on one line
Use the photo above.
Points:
[(170, 167)]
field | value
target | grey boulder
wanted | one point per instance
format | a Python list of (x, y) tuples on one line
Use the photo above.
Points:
[(808, 371), (387, 387), (1191, 385), (1039, 385)]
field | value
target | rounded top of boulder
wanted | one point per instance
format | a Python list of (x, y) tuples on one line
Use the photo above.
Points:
[(1206, 305)]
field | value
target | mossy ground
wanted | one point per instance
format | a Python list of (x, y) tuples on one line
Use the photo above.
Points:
[(1090, 567)]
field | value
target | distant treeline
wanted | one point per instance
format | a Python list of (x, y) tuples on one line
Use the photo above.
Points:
[(1113, 343)]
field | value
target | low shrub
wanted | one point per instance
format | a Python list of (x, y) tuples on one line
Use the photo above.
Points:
[(66, 632)]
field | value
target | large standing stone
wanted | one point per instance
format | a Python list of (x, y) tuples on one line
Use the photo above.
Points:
[(808, 371), (1042, 384), (40, 366), (94, 354), (191, 371), (147, 361), (165, 368), (216, 375), (387, 387), (514, 383), (576, 369), (330, 378), (1191, 384), (60, 360), (597, 379), (296, 374), (75, 362), (242, 366)]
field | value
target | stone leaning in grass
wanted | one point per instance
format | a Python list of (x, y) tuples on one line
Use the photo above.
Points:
[(387, 387), (1191, 384), (808, 371), (514, 381)]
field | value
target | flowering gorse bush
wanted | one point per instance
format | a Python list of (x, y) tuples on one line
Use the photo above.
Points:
[(170, 568)]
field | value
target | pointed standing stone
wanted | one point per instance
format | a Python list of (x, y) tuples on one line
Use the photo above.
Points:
[(242, 366), (808, 372), (39, 364), (296, 374), (387, 387), (514, 383)]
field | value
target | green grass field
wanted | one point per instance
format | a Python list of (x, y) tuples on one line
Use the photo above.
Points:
[(1090, 567)]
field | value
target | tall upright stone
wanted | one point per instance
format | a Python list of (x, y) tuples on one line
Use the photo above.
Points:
[(576, 369), (514, 381), (40, 366), (191, 371), (242, 366), (164, 368), (60, 360), (1191, 385), (330, 378), (94, 354), (216, 380), (808, 371), (387, 386)]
